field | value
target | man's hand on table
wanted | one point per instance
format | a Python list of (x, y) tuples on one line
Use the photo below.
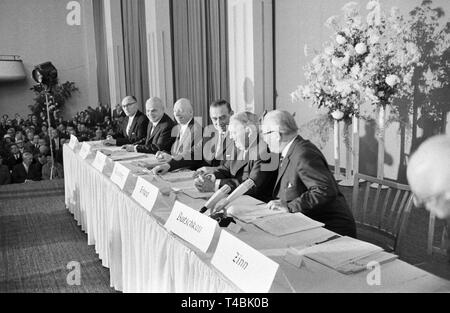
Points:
[(278, 205), (161, 169), (129, 148), (163, 156), (205, 183), (110, 141)]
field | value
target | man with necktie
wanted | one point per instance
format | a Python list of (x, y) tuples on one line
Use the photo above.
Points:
[(25, 171), (159, 132), (133, 128), (304, 183)]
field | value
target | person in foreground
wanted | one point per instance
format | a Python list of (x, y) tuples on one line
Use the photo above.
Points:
[(428, 175), (304, 183)]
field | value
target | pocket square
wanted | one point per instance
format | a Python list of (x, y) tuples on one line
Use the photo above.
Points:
[(290, 185)]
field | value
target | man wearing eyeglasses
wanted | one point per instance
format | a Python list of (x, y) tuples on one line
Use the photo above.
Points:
[(429, 176), (133, 128), (304, 183)]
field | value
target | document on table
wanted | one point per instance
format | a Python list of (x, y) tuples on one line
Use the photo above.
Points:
[(286, 223), (338, 252), (361, 264), (178, 176), (248, 209), (195, 194), (122, 156)]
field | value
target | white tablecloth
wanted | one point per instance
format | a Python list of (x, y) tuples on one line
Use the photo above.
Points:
[(144, 257)]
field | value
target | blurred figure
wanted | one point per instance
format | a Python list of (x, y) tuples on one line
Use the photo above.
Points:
[(5, 177), (47, 172), (429, 176)]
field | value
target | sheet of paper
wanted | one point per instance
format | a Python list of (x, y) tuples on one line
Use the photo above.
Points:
[(173, 177), (121, 156), (363, 264), (195, 194), (286, 223), (338, 252), (249, 211)]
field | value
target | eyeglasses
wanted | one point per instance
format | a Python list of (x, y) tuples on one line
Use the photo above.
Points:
[(127, 105), (433, 199), (269, 132)]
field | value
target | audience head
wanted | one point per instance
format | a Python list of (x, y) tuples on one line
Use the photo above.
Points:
[(27, 158), (14, 149), (42, 142), (20, 143), (244, 129), (30, 136), (130, 105), (36, 139), (7, 139), (429, 175), (154, 109), (220, 112), (11, 132), (44, 149), (183, 111), (42, 158), (278, 129)]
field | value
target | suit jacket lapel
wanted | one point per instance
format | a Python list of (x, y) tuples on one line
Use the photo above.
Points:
[(286, 161)]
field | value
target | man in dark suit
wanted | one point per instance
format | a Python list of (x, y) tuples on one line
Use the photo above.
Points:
[(133, 128), (26, 171), (186, 151), (304, 183), (159, 132), (5, 177), (217, 144), (253, 161), (15, 157)]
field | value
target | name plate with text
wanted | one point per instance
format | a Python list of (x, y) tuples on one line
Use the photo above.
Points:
[(119, 175), (99, 161), (194, 227), (246, 267), (85, 150), (145, 193), (73, 142)]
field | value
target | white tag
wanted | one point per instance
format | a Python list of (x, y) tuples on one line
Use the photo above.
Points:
[(249, 269), (100, 161), (194, 227), (73, 142), (85, 150), (119, 175), (145, 193)]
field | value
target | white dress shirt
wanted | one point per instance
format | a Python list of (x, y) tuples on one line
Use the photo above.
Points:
[(130, 122)]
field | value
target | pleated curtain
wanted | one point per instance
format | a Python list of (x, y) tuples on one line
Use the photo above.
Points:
[(102, 54), (135, 50), (200, 52)]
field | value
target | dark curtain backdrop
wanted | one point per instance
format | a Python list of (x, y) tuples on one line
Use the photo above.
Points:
[(135, 50), (200, 46), (102, 54)]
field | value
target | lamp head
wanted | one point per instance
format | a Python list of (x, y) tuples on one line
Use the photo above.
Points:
[(45, 74)]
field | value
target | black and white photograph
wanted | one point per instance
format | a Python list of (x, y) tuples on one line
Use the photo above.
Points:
[(223, 153)]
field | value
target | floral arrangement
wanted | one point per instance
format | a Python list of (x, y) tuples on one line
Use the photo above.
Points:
[(369, 59), (58, 96)]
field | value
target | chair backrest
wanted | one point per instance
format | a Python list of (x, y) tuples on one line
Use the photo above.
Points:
[(381, 209), (443, 243)]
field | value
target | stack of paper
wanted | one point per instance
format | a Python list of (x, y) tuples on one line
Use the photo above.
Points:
[(341, 251), (286, 223), (248, 209)]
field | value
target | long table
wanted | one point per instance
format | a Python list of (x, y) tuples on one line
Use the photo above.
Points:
[(144, 257)]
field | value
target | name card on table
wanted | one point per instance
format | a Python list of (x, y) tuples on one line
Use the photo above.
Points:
[(85, 150), (99, 161), (194, 227), (145, 193), (246, 267), (73, 142), (119, 175)]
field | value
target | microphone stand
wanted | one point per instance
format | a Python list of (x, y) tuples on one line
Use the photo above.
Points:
[(49, 125)]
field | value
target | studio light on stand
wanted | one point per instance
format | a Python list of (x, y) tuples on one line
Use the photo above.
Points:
[(46, 76)]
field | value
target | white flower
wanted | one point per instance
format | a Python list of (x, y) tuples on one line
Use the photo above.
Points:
[(373, 39), (361, 48), (329, 50), (392, 80), (341, 39), (337, 115)]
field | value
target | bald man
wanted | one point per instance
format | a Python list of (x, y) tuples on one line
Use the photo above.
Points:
[(159, 131), (305, 183), (429, 176), (186, 151), (133, 127)]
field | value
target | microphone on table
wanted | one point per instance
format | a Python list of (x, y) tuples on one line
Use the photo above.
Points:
[(216, 197), (241, 190)]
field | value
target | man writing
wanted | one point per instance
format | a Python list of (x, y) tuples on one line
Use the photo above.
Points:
[(304, 183)]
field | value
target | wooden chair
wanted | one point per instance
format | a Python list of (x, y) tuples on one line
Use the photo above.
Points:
[(381, 209), (443, 244)]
